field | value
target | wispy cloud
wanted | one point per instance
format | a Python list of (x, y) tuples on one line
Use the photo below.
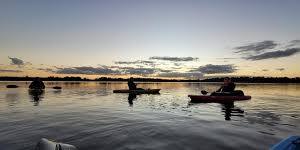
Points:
[(106, 70), (293, 43), (175, 59), (227, 58), (16, 61), (256, 47), (9, 70), (274, 54), (139, 71), (280, 69), (45, 69), (196, 75), (145, 62), (216, 69), (85, 70)]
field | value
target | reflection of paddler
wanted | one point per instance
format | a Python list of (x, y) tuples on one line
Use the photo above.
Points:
[(36, 95), (131, 97), (37, 83), (229, 109)]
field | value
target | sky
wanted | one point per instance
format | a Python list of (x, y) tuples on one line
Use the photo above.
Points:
[(150, 38)]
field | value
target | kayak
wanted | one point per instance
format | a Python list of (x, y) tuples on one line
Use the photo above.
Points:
[(218, 99), (139, 91), (45, 144), (57, 87), (290, 143), (12, 86)]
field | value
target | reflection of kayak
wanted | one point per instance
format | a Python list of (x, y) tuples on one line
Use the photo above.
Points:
[(140, 91), (290, 143), (220, 99), (45, 144), (36, 91)]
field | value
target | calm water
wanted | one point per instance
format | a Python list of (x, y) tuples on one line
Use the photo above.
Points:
[(89, 116)]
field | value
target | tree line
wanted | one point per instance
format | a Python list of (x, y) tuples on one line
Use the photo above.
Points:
[(235, 79)]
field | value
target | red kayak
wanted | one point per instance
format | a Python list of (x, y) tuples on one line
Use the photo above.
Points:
[(218, 99)]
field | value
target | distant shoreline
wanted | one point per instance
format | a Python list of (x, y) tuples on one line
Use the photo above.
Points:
[(235, 79)]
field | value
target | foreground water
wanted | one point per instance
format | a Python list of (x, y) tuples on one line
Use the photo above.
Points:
[(89, 116)]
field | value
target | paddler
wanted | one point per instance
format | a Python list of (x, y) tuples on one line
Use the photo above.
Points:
[(228, 86), (131, 84), (37, 84), (226, 89)]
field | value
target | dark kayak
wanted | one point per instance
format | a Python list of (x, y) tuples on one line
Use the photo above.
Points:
[(140, 91), (57, 87), (218, 99), (290, 143), (12, 86)]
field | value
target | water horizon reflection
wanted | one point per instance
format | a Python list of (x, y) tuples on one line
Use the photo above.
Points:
[(90, 116)]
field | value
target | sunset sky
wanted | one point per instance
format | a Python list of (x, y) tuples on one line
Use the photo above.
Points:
[(150, 38)]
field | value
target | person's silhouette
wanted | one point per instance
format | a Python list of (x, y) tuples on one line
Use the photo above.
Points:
[(37, 83)]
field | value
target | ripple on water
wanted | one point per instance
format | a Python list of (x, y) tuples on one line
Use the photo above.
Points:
[(90, 116)]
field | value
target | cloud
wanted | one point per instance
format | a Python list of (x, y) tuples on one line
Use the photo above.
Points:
[(85, 70), (16, 61), (215, 69), (140, 71), (293, 43), (8, 70), (106, 70), (227, 58), (280, 69), (196, 75), (146, 62), (256, 47), (45, 69), (274, 54), (176, 59)]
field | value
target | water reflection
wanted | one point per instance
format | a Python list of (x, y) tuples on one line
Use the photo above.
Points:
[(228, 108), (131, 97), (57, 91), (12, 98), (36, 96), (163, 121)]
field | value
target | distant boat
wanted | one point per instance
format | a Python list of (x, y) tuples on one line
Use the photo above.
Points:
[(57, 87), (12, 86)]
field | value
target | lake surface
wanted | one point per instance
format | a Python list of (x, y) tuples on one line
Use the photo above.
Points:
[(89, 116)]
